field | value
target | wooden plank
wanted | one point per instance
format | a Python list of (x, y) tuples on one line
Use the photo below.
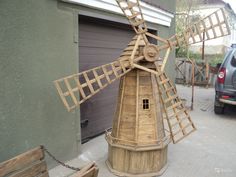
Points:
[(21, 161), (60, 92), (137, 108), (226, 21), (218, 20), (121, 106), (134, 50), (114, 70), (88, 83), (206, 31), (165, 59), (145, 69), (70, 91), (130, 5), (134, 15), (31, 171), (80, 87), (106, 74), (199, 32), (170, 98), (141, 43), (163, 76), (213, 29), (164, 81), (90, 170), (156, 37)]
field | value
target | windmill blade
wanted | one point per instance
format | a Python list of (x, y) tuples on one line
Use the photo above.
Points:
[(131, 9), (77, 88), (211, 27), (178, 118)]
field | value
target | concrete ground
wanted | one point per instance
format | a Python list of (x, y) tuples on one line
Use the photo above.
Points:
[(208, 152)]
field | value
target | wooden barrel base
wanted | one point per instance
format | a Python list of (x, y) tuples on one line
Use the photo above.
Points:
[(126, 162), (117, 173)]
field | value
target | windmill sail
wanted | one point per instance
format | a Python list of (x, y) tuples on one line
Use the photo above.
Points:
[(131, 9), (211, 27), (178, 118), (77, 88)]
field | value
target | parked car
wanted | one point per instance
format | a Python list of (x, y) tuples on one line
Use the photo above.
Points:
[(225, 86)]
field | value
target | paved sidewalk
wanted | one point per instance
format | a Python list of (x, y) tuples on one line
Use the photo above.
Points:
[(208, 152)]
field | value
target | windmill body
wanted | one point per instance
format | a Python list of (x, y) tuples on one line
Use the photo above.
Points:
[(138, 142), (149, 113)]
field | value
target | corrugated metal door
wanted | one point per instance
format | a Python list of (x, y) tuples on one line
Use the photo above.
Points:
[(100, 42)]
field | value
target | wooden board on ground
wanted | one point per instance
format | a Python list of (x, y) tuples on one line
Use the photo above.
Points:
[(32, 163)]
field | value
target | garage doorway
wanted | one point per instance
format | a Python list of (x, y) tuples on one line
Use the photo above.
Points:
[(100, 42)]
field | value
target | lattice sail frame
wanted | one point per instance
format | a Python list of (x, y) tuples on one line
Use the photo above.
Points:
[(77, 88)]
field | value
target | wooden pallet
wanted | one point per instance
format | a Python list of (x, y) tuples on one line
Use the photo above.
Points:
[(28, 164), (32, 164)]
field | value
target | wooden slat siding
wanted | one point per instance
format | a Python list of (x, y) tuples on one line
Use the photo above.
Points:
[(137, 108), (21, 161), (34, 170)]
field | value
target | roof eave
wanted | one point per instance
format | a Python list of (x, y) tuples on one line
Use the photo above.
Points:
[(151, 14)]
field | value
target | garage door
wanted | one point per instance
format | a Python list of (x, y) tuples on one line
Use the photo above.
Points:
[(100, 42)]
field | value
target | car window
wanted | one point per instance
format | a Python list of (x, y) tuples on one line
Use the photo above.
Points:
[(233, 60)]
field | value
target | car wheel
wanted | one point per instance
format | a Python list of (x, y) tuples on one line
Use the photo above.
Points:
[(218, 109), (218, 106)]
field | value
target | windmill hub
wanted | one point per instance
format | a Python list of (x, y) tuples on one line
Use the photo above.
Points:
[(151, 52)]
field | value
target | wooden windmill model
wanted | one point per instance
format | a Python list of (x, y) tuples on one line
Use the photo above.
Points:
[(147, 102)]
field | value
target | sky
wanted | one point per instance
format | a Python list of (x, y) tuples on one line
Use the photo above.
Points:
[(232, 4)]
